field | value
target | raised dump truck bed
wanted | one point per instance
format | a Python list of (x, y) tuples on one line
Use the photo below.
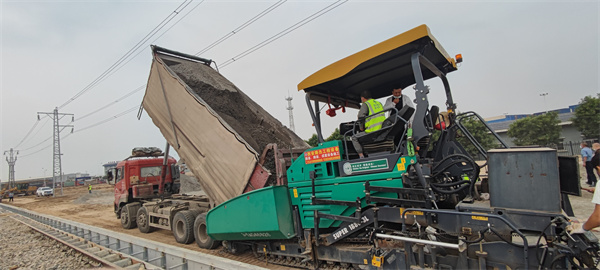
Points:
[(213, 126)]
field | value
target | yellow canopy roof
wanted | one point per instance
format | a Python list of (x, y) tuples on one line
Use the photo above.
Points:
[(379, 69)]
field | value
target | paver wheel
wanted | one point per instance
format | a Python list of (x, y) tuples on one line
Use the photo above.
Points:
[(143, 220), (128, 217), (202, 238), (183, 224)]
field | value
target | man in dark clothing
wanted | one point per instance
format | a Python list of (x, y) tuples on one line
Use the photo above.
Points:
[(586, 156), (596, 158), (398, 100)]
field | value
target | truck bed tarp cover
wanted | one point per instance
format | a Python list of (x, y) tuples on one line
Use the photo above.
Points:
[(218, 157)]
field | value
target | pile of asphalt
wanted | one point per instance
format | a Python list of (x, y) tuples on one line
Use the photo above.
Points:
[(255, 125)]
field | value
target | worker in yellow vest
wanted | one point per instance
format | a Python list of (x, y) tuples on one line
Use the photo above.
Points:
[(370, 110), (90, 188)]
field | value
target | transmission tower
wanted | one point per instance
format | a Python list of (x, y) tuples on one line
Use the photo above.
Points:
[(291, 108), (11, 159), (56, 162)]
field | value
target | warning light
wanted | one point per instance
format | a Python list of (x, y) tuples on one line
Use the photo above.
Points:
[(459, 58)]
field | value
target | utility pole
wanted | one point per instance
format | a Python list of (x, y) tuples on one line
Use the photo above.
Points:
[(56, 160), (290, 108), (545, 106), (11, 159)]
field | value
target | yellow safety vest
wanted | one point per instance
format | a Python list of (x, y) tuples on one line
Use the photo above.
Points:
[(374, 123)]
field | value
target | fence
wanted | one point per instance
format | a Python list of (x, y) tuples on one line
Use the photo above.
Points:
[(571, 148)]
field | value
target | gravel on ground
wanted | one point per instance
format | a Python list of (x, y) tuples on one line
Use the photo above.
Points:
[(25, 248)]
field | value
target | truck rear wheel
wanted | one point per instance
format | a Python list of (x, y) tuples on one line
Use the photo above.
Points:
[(202, 238), (143, 221), (183, 224), (128, 217)]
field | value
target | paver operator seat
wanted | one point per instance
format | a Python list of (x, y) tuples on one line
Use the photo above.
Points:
[(391, 135)]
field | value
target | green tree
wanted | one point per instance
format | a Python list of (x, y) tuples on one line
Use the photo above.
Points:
[(587, 117), (540, 130), (335, 135), (480, 133), (314, 141)]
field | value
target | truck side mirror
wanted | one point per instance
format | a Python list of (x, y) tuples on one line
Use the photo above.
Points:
[(110, 177), (174, 171)]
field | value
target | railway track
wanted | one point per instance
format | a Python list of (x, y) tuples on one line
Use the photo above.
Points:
[(117, 250)]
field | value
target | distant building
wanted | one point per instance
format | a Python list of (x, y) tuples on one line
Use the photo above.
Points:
[(568, 135), (47, 181), (109, 166)]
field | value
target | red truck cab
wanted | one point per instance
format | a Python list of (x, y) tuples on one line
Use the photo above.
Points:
[(138, 178)]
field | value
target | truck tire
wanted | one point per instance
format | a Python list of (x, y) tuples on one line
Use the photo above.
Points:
[(128, 220), (143, 221), (183, 224), (203, 240)]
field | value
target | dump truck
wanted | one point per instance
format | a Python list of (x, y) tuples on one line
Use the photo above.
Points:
[(139, 178), (233, 148), (412, 203)]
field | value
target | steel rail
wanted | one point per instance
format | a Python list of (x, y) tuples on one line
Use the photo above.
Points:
[(152, 253), (104, 257)]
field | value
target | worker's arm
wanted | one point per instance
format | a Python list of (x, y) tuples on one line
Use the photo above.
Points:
[(594, 219), (362, 113), (388, 104)]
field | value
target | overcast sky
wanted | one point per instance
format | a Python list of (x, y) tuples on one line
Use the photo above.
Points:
[(51, 50)]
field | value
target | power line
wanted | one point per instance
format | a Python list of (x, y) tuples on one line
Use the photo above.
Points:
[(82, 129), (244, 25), (131, 58), (112, 69), (38, 131), (101, 122), (154, 41), (113, 103), (46, 147), (285, 32), (109, 119), (45, 140), (32, 128), (136, 47), (28, 133), (26, 149)]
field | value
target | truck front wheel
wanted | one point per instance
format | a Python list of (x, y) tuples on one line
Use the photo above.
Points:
[(202, 238), (183, 224), (128, 217), (143, 220)]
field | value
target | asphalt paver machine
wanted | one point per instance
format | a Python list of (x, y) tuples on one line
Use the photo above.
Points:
[(413, 202)]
